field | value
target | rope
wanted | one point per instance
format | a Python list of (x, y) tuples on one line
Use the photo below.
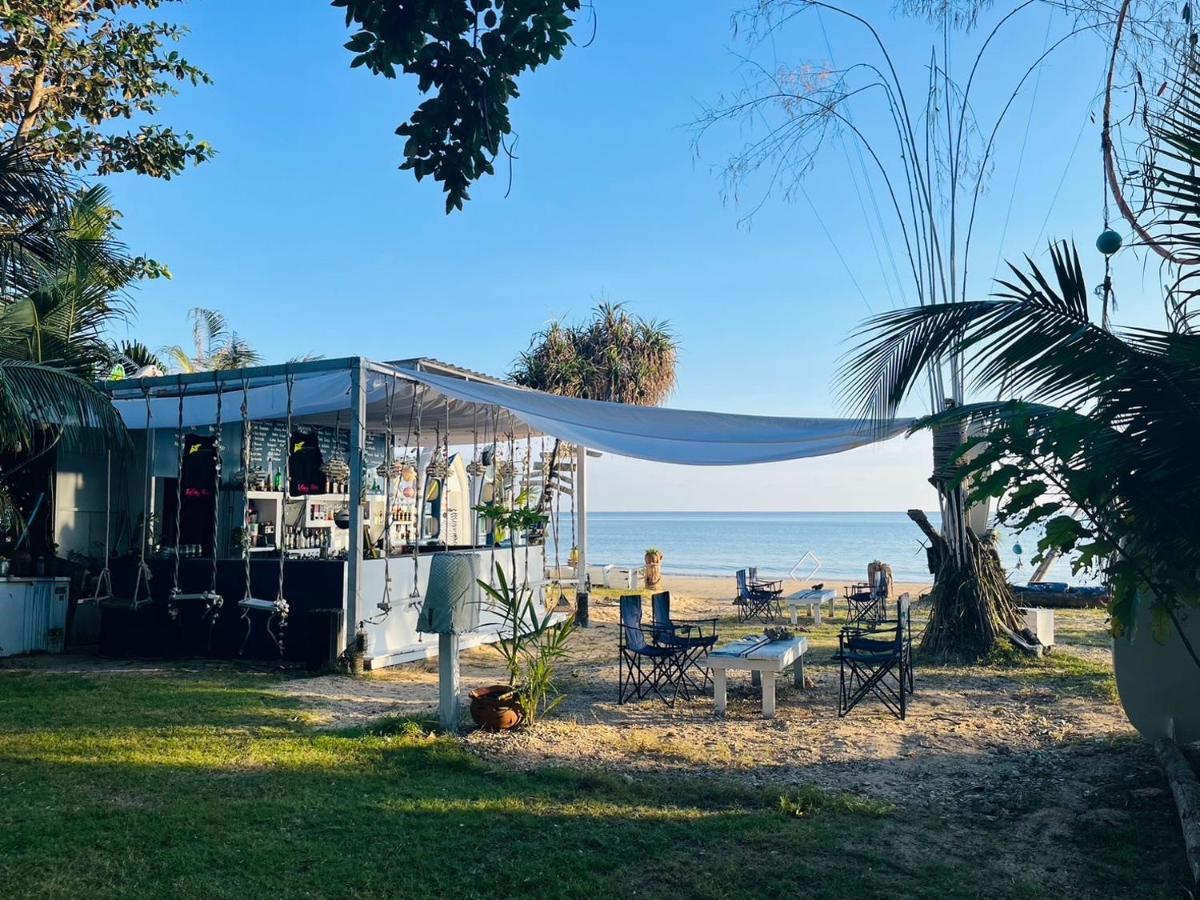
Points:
[(280, 603), (182, 389), (216, 505), (385, 602), (415, 595), (143, 573), (246, 482)]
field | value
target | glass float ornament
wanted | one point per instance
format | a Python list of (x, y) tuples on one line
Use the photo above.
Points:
[(505, 469), (1109, 242), (476, 468)]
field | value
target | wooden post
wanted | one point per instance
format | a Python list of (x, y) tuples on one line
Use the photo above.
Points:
[(354, 548), (448, 682), (581, 536)]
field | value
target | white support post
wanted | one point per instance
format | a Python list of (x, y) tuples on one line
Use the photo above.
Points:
[(581, 535), (354, 549), (448, 682)]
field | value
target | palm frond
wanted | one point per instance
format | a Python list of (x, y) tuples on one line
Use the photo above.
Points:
[(33, 396)]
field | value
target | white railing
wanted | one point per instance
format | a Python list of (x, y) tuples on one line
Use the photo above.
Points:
[(813, 559)]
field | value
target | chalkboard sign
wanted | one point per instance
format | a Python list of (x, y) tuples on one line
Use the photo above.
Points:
[(269, 442)]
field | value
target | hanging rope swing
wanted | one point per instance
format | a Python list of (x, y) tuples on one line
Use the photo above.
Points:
[(277, 609), (142, 582), (211, 599)]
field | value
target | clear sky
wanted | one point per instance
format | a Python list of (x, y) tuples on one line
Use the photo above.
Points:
[(306, 236)]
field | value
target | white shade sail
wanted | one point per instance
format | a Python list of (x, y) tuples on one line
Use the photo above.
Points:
[(680, 436), (471, 409)]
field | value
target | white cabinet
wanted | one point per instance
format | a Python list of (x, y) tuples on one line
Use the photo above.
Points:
[(33, 615)]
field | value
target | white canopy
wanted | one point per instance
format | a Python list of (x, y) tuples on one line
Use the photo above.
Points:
[(678, 436), (462, 405)]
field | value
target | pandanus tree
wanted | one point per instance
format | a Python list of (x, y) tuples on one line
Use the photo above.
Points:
[(615, 356)]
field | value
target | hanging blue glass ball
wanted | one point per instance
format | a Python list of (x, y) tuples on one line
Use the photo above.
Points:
[(1109, 242), (1017, 549)]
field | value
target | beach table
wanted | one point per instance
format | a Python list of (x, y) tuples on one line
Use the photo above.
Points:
[(814, 600), (763, 660)]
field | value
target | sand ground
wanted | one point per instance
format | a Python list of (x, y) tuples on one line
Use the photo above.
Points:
[(978, 741)]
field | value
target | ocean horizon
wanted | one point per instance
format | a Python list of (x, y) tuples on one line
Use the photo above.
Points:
[(720, 543)]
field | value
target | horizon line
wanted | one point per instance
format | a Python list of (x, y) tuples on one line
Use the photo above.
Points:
[(790, 511)]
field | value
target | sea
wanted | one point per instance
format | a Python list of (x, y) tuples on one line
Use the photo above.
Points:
[(800, 545)]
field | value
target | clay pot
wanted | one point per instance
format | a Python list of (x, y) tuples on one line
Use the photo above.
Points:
[(496, 708)]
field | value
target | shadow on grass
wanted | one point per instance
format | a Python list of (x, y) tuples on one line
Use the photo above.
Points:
[(153, 787)]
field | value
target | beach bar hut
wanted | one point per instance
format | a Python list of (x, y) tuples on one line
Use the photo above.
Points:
[(230, 526)]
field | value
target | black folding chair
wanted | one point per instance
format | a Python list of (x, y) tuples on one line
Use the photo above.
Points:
[(645, 666), (753, 604), (876, 661), (695, 636), (766, 587), (866, 605)]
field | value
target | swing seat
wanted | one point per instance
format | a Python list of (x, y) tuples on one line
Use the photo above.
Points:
[(103, 590), (274, 608), (250, 604), (212, 598), (137, 601)]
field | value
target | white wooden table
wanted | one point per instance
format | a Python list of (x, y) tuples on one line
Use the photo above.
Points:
[(814, 600), (763, 662)]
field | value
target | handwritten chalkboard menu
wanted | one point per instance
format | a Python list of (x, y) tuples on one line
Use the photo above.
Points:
[(269, 441)]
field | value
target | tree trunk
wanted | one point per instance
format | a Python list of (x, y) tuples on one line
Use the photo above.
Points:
[(973, 605), (1186, 791)]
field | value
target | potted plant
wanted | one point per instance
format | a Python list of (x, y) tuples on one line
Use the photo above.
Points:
[(653, 559), (532, 641)]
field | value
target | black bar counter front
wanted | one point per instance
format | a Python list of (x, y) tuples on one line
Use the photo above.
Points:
[(152, 631)]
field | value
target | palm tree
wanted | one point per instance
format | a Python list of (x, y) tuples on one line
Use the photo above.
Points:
[(215, 346), (133, 357), (615, 357), (1103, 459), (1097, 443), (61, 274)]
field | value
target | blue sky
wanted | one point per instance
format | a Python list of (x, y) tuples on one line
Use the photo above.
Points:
[(306, 236)]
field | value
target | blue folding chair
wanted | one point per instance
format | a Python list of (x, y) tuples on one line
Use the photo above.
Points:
[(646, 666), (753, 603), (695, 636)]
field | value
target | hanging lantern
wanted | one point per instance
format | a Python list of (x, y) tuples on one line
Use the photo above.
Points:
[(439, 465), (476, 468), (1109, 242), (336, 470), (394, 469), (505, 470)]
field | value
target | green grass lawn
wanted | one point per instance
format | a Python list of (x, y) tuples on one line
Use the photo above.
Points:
[(212, 786)]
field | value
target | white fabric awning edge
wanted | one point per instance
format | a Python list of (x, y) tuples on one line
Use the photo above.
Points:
[(682, 437)]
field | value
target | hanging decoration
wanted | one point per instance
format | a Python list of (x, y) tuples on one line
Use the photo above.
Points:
[(336, 470)]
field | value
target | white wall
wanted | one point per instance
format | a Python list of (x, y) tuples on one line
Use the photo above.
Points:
[(395, 639)]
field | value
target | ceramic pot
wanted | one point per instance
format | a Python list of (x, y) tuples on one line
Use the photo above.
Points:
[(496, 708)]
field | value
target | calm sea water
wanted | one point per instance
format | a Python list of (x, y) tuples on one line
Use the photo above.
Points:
[(719, 543)]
